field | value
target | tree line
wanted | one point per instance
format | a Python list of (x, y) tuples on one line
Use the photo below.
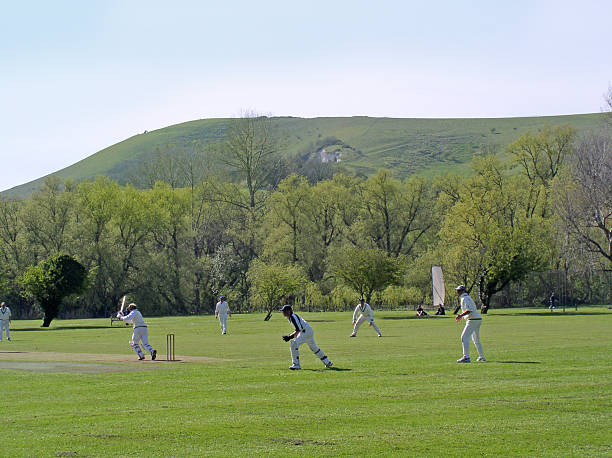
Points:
[(234, 219)]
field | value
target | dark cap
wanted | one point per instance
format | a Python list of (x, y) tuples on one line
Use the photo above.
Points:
[(285, 307), (460, 288)]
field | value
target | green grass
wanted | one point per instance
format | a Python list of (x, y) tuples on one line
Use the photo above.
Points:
[(546, 389), (406, 146)]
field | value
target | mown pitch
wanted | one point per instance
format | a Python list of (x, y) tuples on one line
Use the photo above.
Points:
[(76, 389)]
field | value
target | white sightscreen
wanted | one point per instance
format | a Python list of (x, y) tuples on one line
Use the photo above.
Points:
[(438, 285)]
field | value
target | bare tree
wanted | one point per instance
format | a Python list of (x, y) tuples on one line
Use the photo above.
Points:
[(608, 104), (251, 153), (162, 164), (584, 197)]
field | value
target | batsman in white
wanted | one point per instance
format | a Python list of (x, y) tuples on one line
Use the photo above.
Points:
[(5, 320), (303, 334), (140, 334), (365, 313), (470, 313), (221, 312)]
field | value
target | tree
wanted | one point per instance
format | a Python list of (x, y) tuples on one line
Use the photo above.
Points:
[(48, 215), (250, 151), (608, 105), (51, 280), (396, 215), (287, 206), (488, 239), (169, 269), (323, 215), (272, 282), (584, 195), (366, 270), (13, 248), (541, 157)]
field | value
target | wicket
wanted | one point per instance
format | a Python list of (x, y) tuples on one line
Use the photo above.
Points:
[(170, 347)]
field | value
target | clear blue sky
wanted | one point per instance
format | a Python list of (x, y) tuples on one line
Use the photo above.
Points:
[(77, 76)]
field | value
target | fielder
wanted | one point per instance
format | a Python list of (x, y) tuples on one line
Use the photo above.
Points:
[(140, 333), (222, 311), (303, 334), (5, 320), (470, 313), (365, 313)]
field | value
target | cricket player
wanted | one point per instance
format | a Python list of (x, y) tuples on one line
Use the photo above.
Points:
[(303, 334), (470, 313), (5, 320), (222, 311), (140, 334), (365, 313)]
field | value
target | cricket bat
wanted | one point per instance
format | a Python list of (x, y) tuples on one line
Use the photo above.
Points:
[(122, 304)]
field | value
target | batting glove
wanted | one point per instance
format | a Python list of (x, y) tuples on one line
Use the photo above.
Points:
[(287, 338)]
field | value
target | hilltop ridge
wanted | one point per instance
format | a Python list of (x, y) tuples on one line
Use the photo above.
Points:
[(362, 144)]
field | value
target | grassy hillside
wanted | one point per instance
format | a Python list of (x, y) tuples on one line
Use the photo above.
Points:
[(406, 146)]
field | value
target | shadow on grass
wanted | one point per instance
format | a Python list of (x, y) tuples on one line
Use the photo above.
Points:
[(556, 313), (516, 362), (413, 317), (337, 369), (64, 328)]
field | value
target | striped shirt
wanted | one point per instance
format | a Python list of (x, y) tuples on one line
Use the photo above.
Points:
[(298, 323)]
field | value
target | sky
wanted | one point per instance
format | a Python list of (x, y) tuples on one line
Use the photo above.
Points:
[(78, 76)]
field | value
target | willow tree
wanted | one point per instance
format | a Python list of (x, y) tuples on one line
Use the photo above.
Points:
[(273, 282), (366, 270), (488, 239)]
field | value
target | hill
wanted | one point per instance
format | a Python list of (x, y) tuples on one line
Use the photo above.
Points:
[(362, 144)]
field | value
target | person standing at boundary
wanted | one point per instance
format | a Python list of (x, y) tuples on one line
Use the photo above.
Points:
[(5, 320), (303, 334), (470, 313), (551, 301), (365, 313), (221, 313), (140, 333)]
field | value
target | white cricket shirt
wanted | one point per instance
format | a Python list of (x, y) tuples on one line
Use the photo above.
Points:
[(468, 304), (5, 314), (135, 319), (366, 311), (222, 308)]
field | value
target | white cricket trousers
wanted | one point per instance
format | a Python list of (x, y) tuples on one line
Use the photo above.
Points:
[(361, 320), (223, 322), (141, 334), (4, 327), (306, 337), (472, 328)]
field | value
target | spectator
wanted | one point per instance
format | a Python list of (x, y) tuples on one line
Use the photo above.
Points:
[(551, 301)]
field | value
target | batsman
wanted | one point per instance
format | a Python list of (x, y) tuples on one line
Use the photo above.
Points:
[(140, 333)]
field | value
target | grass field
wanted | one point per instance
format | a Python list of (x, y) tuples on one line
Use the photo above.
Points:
[(76, 389)]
